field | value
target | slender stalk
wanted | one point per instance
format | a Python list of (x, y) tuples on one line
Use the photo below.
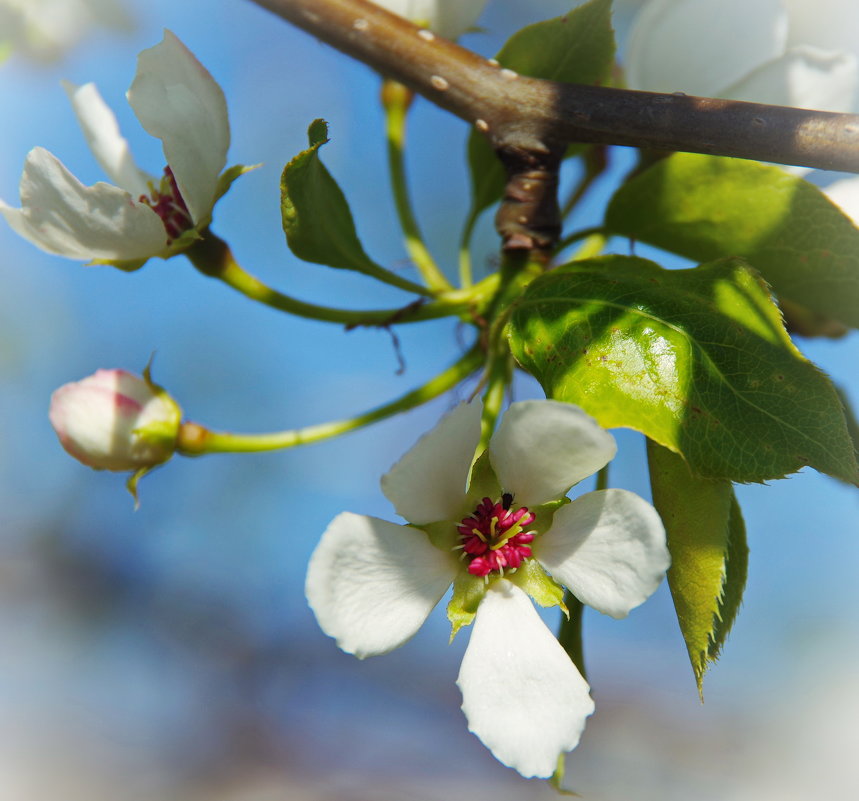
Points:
[(466, 275), (195, 440), (213, 257), (578, 236), (570, 632), (396, 101)]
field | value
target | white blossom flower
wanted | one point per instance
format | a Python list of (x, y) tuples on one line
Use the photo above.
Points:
[(177, 101), (845, 193), (372, 583), (44, 30), (448, 18), (802, 53), (115, 420)]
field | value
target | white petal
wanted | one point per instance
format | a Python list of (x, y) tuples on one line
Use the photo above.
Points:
[(109, 147), (846, 194), (177, 100), (702, 46), (805, 77), (544, 447), (830, 24), (62, 216), (448, 18), (372, 583), (428, 483), (522, 695), (608, 548)]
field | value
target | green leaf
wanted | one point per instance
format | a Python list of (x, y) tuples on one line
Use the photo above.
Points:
[(577, 47), (697, 359), (705, 208), (709, 554), (316, 217)]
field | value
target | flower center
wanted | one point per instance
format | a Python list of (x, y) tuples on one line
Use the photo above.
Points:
[(495, 536), (168, 204)]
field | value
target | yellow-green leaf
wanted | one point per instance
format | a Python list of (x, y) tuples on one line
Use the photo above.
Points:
[(709, 555)]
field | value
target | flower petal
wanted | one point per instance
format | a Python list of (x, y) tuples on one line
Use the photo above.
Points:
[(831, 24), (608, 548), (522, 695), (448, 18), (62, 216), (109, 147), (178, 101), (428, 483), (701, 46), (845, 193), (544, 447), (371, 583), (805, 77)]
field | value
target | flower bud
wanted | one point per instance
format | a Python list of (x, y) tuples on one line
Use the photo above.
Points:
[(114, 420)]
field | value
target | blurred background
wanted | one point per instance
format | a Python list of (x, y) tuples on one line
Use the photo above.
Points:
[(169, 653)]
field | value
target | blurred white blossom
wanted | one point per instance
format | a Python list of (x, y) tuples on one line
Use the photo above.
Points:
[(802, 53), (44, 30), (448, 18)]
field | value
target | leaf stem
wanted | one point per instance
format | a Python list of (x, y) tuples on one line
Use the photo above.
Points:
[(213, 257), (396, 101), (195, 440)]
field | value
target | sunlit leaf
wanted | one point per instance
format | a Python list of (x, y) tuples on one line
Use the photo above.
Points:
[(705, 208), (696, 359), (709, 555)]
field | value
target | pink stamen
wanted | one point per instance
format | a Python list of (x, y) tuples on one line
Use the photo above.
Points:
[(494, 537), (167, 202)]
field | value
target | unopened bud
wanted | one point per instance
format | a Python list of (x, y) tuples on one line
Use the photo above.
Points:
[(115, 420)]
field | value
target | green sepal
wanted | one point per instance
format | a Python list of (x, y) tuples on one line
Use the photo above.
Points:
[(698, 360), (533, 579), (316, 218), (577, 47), (557, 777), (442, 535), (133, 481), (709, 555), (483, 483), (468, 592), (226, 179), (704, 208)]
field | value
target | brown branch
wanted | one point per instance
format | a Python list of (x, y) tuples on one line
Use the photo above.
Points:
[(523, 114)]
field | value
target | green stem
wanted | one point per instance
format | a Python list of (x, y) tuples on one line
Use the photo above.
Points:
[(578, 236), (570, 633), (594, 164), (465, 272), (212, 257), (195, 440), (396, 100), (498, 374), (602, 479)]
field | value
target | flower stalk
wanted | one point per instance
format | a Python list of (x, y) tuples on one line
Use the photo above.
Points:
[(214, 258), (196, 440), (396, 101)]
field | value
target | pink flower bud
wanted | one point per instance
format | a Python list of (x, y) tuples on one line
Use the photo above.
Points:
[(114, 420)]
